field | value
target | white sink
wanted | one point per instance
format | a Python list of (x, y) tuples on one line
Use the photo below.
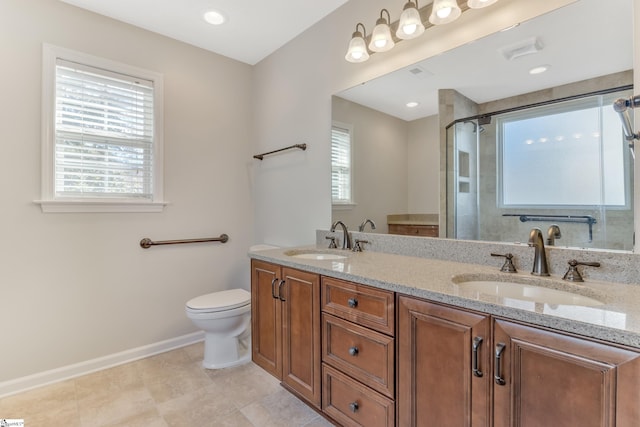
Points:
[(527, 292), (315, 255)]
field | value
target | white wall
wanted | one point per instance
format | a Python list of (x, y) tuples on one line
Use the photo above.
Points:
[(380, 146), (292, 103), (74, 287), (424, 166)]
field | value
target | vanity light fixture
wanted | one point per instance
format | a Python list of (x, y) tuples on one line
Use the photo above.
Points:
[(479, 4), (214, 17), (381, 40), (410, 25), (444, 11), (357, 51)]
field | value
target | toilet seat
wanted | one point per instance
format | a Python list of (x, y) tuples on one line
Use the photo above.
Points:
[(219, 301)]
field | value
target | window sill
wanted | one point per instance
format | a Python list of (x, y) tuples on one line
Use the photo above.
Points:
[(99, 206)]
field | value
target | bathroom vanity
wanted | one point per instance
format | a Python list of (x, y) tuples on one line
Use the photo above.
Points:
[(378, 339)]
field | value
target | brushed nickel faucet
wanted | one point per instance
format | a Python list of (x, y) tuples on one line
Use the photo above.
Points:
[(540, 266), (346, 237), (364, 224), (553, 233)]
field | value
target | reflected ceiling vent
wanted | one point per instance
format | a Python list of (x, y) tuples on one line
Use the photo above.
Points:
[(419, 72), (522, 48)]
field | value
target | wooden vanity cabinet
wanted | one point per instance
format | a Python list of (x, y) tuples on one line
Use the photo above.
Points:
[(414, 230), (358, 354), (441, 366), (444, 370), (549, 379), (517, 375), (285, 327)]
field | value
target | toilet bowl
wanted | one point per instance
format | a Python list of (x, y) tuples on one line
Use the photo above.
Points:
[(225, 318)]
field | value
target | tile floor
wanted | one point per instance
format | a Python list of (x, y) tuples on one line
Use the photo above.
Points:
[(167, 390)]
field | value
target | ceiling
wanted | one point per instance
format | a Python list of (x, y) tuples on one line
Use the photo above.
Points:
[(254, 28), (585, 39)]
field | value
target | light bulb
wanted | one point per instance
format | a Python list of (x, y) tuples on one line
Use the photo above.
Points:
[(410, 25), (444, 11), (381, 40), (357, 51), (479, 4)]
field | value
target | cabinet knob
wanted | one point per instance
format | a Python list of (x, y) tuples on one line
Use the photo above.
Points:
[(353, 351), (353, 303), (353, 407)]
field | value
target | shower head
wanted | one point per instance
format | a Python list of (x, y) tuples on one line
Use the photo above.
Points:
[(621, 106), (476, 128)]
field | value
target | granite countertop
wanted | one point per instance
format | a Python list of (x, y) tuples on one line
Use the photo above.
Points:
[(617, 320)]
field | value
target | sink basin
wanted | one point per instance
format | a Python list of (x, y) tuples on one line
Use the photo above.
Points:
[(315, 255), (526, 292)]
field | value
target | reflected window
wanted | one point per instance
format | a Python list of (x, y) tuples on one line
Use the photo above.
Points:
[(341, 164), (570, 154)]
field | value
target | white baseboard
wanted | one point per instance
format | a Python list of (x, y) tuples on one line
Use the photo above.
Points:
[(40, 379)]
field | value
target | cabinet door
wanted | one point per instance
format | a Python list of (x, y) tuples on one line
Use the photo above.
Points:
[(549, 379), (301, 364), (266, 330), (444, 376)]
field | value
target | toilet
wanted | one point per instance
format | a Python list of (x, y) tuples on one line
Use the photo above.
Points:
[(225, 317)]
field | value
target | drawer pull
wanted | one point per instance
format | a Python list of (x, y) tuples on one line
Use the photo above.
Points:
[(353, 351), (353, 303), (497, 375), (280, 291), (273, 288), (353, 407), (476, 345)]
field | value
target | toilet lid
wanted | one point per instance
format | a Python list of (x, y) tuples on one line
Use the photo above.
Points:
[(218, 301)]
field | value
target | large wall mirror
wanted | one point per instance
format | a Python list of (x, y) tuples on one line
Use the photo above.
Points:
[(473, 142)]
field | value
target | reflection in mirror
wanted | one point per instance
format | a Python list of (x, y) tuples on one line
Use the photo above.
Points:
[(561, 167), (400, 160)]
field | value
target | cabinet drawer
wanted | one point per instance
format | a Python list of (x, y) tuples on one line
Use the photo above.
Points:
[(352, 404), (364, 305), (414, 230), (366, 355)]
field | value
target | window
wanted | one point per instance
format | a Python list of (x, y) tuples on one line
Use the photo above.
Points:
[(102, 140), (579, 142), (341, 164)]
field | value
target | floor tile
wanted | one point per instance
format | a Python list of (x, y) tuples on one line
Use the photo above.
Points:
[(171, 389)]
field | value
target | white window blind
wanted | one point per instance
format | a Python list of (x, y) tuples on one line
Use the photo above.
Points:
[(104, 137), (341, 166)]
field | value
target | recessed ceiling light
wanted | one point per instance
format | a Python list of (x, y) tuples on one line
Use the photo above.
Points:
[(214, 17), (412, 104), (539, 70)]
